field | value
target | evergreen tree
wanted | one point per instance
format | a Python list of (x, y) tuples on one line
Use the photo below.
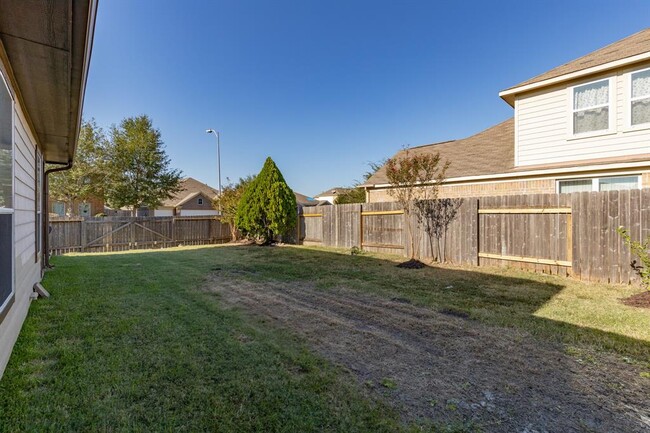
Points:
[(138, 167), (268, 206)]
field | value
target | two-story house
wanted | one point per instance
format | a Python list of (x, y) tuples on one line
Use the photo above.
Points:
[(583, 126)]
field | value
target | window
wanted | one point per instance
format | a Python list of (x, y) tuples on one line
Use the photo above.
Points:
[(598, 184), (58, 207), (6, 198), (84, 210), (591, 107), (200, 201), (618, 183), (579, 185), (640, 97)]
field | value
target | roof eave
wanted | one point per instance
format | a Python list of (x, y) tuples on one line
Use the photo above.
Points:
[(48, 50), (509, 95)]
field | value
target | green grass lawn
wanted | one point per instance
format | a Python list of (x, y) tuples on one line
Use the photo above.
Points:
[(129, 342)]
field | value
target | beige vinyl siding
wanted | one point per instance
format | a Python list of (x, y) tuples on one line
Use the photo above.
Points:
[(27, 270), (544, 125)]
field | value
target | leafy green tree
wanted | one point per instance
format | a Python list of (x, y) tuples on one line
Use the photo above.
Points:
[(356, 194), (267, 207), (228, 202), (351, 195), (87, 177), (139, 173)]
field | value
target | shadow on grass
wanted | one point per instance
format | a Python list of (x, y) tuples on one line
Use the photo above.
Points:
[(503, 297), (128, 342)]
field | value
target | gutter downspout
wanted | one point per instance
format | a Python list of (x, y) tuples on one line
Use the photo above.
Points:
[(46, 211)]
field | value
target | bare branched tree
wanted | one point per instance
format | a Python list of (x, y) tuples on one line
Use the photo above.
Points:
[(435, 216)]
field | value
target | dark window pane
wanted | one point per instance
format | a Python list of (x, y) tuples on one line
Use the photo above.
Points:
[(6, 240)]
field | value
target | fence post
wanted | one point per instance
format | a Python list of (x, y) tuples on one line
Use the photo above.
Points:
[(361, 227), (298, 228), (477, 243), (84, 235)]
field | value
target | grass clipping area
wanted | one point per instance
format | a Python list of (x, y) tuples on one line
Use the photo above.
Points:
[(129, 342)]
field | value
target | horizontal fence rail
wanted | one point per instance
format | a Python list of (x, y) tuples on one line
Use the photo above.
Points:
[(567, 234), (127, 233)]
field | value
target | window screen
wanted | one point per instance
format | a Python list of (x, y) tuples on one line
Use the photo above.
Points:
[(6, 254), (6, 196), (640, 98), (6, 146), (591, 107), (618, 183), (578, 185)]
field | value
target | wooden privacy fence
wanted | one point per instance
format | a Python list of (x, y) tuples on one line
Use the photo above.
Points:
[(126, 233), (567, 234)]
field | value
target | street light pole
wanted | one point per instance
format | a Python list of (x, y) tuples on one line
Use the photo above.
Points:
[(212, 131)]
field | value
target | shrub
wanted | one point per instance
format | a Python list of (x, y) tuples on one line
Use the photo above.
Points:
[(639, 249)]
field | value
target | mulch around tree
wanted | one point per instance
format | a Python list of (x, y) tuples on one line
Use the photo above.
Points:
[(640, 300), (412, 264)]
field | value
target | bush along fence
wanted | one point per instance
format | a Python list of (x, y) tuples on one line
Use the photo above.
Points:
[(128, 233), (567, 234)]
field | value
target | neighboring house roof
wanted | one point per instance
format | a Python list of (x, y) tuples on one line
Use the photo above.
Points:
[(190, 188), (303, 200), (332, 191), (628, 48), (489, 152), (48, 45)]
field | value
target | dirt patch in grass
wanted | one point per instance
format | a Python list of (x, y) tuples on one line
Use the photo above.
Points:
[(640, 300), (443, 367), (411, 264)]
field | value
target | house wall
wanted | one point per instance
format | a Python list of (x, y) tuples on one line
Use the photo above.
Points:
[(543, 125), (546, 185), (198, 212), (484, 189), (96, 206), (27, 265), (193, 203), (163, 212), (328, 198)]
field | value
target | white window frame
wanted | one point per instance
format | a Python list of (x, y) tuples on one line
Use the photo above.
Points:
[(595, 181), (38, 205), (200, 201), (11, 211), (611, 104), (630, 99)]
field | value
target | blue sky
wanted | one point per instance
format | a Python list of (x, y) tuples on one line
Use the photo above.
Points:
[(324, 87)]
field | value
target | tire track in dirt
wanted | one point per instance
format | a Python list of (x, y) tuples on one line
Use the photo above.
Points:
[(447, 368)]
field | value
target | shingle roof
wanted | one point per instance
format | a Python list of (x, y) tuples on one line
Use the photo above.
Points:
[(489, 152), (332, 191), (633, 45), (305, 201), (190, 187)]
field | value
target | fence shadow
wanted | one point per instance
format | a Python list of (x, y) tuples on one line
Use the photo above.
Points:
[(494, 341)]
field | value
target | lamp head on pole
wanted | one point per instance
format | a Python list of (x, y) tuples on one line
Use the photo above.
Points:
[(209, 131)]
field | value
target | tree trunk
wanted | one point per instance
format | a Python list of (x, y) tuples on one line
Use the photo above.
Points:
[(411, 233)]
